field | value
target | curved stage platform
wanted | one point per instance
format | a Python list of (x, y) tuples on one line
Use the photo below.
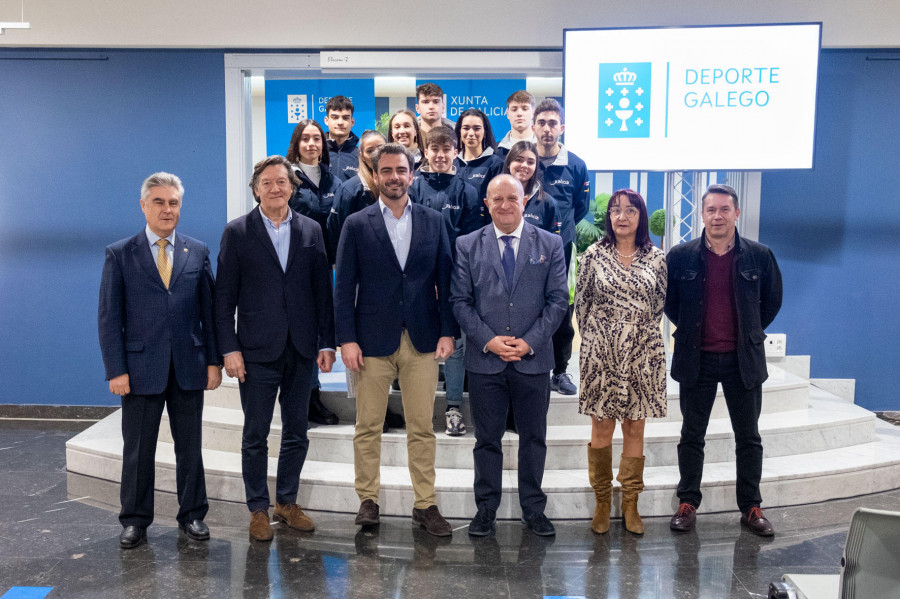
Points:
[(817, 447)]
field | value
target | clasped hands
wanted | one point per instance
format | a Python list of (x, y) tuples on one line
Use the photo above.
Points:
[(510, 349)]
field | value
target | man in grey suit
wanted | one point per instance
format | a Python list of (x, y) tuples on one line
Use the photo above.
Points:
[(509, 295)]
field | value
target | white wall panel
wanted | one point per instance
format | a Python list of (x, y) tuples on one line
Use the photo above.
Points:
[(464, 24)]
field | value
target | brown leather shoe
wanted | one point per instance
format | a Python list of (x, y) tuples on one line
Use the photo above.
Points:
[(684, 518), (431, 520), (293, 516), (756, 523), (368, 514), (260, 528)]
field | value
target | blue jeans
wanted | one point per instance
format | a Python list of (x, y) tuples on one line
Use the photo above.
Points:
[(455, 373)]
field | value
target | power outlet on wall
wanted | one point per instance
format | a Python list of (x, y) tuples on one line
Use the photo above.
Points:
[(776, 345)]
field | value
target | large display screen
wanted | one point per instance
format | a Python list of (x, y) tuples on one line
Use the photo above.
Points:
[(736, 97)]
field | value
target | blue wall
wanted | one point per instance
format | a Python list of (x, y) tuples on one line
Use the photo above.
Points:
[(836, 230), (79, 136)]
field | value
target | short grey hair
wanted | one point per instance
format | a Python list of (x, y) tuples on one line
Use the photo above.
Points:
[(162, 180)]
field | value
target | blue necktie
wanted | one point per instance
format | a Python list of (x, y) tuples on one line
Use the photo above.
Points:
[(508, 259)]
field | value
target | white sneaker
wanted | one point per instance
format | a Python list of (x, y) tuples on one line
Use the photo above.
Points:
[(455, 425)]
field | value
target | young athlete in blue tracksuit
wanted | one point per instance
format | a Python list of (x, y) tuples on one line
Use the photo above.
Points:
[(438, 186), (341, 141)]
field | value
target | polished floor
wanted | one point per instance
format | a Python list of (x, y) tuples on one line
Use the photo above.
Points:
[(54, 534)]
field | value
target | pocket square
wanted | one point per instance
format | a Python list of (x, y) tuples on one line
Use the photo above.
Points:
[(539, 260)]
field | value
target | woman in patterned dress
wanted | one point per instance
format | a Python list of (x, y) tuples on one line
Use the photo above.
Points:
[(619, 298)]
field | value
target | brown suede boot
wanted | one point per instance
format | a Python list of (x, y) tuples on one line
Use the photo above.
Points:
[(631, 477), (600, 475)]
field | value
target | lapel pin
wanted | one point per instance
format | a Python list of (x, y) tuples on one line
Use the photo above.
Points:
[(185, 250)]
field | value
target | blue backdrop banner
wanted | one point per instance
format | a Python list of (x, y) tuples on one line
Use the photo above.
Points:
[(289, 101), (487, 95)]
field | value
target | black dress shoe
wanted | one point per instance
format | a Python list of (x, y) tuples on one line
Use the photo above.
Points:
[(756, 523), (539, 524), (684, 518), (483, 523), (318, 413), (195, 529), (132, 536)]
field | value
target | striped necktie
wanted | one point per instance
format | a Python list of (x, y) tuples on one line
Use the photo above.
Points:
[(162, 262)]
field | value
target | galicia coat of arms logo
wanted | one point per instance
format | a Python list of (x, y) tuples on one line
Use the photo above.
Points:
[(297, 108), (624, 100)]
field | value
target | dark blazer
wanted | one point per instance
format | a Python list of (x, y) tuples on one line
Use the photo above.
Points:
[(271, 302), (757, 298), (485, 306), (374, 298), (145, 327)]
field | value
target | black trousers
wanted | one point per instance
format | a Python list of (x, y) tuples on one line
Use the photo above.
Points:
[(491, 396), (744, 406), (141, 415), (565, 333), (292, 374)]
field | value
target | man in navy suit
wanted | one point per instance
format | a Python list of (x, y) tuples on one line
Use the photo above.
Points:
[(509, 295), (274, 271), (158, 342), (393, 319)]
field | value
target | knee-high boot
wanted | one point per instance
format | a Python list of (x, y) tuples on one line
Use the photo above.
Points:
[(631, 477), (600, 475)]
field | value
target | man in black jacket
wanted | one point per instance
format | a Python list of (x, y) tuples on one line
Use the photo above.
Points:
[(723, 291)]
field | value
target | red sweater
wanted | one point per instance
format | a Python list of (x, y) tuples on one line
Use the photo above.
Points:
[(720, 316)]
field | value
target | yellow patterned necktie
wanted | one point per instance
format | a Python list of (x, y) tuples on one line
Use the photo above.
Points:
[(162, 262)]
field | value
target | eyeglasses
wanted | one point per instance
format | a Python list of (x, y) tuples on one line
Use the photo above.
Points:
[(629, 213)]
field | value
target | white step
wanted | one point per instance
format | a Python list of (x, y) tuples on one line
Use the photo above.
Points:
[(828, 423), (782, 392), (787, 480)]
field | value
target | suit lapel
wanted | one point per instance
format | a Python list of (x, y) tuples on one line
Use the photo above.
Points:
[(492, 247), (376, 219), (295, 239), (418, 225), (140, 248), (259, 228), (526, 243), (180, 258)]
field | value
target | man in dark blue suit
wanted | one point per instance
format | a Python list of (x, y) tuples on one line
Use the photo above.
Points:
[(509, 295), (274, 271), (393, 318), (158, 342)]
